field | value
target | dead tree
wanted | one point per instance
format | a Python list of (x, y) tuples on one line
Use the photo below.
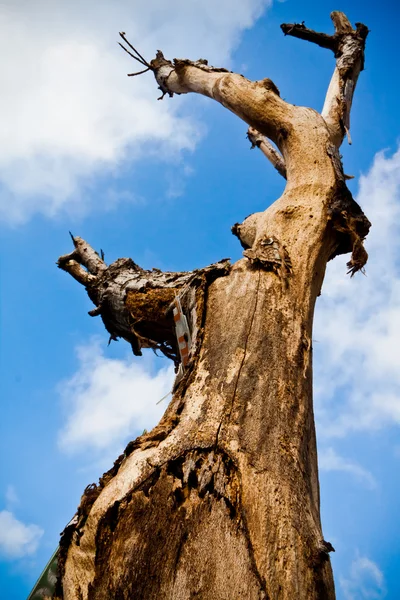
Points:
[(221, 499)]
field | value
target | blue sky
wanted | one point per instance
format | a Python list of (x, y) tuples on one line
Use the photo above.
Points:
[(86, 149)]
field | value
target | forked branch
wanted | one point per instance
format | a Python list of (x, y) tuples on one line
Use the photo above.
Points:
[(348, 45), (258, 102), (136, 56), (307, 142), (82, 256)]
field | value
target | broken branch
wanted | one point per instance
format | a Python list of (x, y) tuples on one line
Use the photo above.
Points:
[(260, 141), (87, 256), (135, 304), (71, 266), (348, 44), (300, 31), (349, 64)]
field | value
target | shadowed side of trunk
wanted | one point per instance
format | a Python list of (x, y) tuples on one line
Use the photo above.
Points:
[(227, 504)]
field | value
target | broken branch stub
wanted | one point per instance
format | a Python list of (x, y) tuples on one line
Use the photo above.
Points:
[(136, 304), (261, 141), (300, 31)]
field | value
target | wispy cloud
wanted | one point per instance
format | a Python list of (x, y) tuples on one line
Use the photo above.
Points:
[(364, 582), (357, 326), (329, 460), (108, 400), (17, 539), (68, 110), (11, 496)]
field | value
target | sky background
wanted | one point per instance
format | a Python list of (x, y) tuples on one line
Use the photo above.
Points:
[(87, 149)]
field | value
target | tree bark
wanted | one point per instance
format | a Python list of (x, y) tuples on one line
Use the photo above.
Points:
[(221, 499)]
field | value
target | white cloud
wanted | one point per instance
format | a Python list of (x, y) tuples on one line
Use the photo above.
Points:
[(357, 325), (109, 400), (16, 538), (70, 113), (365, 582), (329, 460)]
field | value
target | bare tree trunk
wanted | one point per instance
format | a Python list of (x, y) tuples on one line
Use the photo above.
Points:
[(221, 499)]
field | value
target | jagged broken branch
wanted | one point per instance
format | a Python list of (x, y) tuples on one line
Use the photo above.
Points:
[(136, 304)]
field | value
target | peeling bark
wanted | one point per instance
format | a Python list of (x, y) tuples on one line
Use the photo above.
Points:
[(221, 499), (136, 304)]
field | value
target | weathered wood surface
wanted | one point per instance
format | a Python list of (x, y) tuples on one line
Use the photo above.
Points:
[(221, 499)]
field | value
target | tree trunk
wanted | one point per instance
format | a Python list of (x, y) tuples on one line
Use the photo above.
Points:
[(221, 499)]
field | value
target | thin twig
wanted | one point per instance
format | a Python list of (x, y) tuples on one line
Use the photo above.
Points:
[(130, 54), (139, 72), (134, 49)]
